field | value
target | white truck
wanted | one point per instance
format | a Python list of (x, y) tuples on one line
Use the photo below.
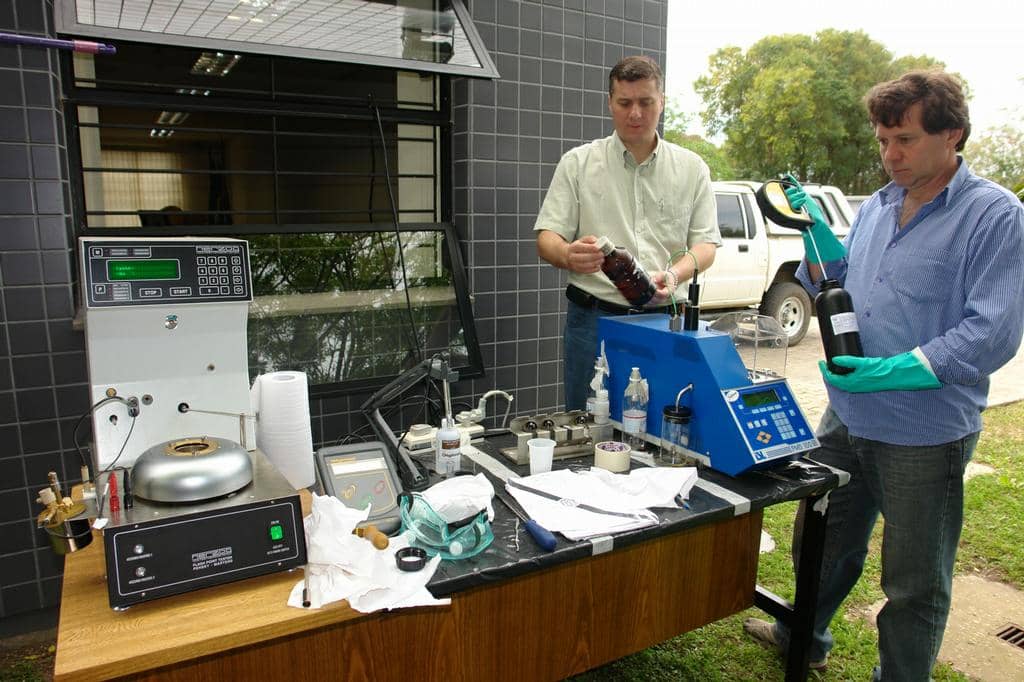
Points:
[(756, 264)]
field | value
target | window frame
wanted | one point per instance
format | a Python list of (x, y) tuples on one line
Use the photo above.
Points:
[(66, 20), (74, 96)]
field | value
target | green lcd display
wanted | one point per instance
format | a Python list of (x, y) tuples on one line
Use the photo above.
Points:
[(760, 398), (131, 270)]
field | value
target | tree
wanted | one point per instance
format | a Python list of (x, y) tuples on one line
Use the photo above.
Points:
[(794, 103), (998, 155), (676, 123)]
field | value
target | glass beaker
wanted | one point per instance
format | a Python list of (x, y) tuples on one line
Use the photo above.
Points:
[(675, 434)]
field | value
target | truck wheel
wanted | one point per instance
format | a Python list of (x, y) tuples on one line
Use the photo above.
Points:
[(790, 305)]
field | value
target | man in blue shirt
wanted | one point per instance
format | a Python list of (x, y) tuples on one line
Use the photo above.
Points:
[(934, 264)]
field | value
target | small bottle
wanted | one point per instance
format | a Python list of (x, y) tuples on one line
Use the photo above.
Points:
[(596, 384), (447, 449), (634, 412), (626, 274), (601, 408), (840, 334), (675, 431)]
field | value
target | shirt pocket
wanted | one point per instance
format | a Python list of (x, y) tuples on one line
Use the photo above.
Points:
[(925, 276), (672, 215)]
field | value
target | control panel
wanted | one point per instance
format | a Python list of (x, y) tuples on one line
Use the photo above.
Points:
[(770, 420), (179, 554), (141, 271)]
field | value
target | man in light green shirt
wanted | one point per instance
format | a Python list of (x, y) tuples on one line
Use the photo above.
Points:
[(647, 195)]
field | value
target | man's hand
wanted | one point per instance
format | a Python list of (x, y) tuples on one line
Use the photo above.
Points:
[(905, 372), (829, 247), (583, 256), (665, 283)]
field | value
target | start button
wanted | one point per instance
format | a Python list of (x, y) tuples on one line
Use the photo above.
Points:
[(276, 532)]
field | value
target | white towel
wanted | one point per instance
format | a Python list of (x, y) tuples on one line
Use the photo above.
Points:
[(620, 502)]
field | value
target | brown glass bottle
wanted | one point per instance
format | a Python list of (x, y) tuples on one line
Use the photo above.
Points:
[(626, 274)]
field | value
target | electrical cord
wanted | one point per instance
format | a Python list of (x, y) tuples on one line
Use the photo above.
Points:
[(398, 232), (96, 406)]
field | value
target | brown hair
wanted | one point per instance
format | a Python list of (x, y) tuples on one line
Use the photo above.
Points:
[(636, 68), (941, 96)]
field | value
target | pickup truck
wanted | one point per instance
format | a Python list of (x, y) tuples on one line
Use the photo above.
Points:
[(756, 264)]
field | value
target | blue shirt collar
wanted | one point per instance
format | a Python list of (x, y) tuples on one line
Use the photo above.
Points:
[(893, 193)]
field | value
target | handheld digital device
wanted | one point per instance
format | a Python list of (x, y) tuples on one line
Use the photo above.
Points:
[(359, 474)]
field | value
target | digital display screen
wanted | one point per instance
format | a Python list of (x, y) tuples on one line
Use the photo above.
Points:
[(130, 270), (760, 398)]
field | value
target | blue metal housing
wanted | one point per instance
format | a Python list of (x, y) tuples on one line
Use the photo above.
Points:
[(736, 425)]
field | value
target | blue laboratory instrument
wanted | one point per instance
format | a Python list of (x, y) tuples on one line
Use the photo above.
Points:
[(742, 419)]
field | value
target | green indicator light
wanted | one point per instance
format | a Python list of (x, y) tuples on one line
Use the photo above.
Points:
[(128, 270), (276, 533)]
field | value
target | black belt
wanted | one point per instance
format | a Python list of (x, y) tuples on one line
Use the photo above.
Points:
[(585, 300)]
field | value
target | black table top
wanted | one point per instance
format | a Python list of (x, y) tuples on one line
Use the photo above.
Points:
[(715, 496)]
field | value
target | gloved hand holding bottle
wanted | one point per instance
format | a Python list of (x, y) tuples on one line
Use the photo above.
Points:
[(908, 371), (829, 247)]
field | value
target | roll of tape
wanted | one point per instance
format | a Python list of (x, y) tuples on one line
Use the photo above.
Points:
[(612, 455)]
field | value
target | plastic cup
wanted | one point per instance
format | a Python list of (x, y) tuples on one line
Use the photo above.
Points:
[(542, 451)]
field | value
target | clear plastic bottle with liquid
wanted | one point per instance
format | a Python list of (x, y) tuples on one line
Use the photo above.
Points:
[(634, 412), (626, 274)]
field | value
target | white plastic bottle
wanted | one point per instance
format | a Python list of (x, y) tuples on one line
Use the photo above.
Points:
[(634, 412), (601, 410), (447, 449)]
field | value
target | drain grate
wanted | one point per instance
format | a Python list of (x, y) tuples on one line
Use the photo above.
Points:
[(1013, 634)]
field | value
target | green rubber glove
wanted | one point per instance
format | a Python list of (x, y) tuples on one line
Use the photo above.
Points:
[(829, 247), (905, 372)]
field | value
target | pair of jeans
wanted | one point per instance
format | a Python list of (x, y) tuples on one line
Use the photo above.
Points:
[(918, 490), (580, 349)]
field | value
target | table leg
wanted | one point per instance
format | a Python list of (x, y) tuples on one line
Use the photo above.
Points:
[(799, 616)]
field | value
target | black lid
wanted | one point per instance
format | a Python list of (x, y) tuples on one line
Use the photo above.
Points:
[(829, 284), (680, 415)]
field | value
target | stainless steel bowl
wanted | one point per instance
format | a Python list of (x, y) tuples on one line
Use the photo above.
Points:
[(191, 470)]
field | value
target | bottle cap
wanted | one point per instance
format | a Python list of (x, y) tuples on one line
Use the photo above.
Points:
[(602, 394), (605, 245), (679, 415)]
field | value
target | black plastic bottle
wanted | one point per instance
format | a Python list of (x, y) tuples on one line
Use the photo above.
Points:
[(626, 274), (838, 324)]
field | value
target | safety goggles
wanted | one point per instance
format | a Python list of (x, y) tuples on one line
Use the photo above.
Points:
[(425, 528)]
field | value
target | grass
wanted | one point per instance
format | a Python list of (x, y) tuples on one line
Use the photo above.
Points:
[(720, 652), (990, 546)]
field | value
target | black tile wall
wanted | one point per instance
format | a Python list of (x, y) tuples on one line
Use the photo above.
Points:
[(35, 305), (553, 57)]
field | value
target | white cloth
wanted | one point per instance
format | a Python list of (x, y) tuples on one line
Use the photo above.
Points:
[(629, 496), (461, 497), (344, 566)]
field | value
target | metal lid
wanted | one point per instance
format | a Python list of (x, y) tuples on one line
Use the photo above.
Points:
[(191, 470), (679, 415)]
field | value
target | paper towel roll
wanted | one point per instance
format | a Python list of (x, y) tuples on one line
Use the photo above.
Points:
[(283, 429)]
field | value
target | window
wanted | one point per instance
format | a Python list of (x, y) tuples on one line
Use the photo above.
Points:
[(730, 216), (422, 35), (333, 172)]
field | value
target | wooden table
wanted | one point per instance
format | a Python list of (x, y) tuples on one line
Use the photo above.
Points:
[(547, 622)]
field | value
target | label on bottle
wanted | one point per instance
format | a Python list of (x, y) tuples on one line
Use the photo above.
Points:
[(844, 323), (634, 421), (448, 455)]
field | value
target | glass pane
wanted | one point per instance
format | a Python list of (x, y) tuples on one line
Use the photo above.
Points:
[(335, 306), (398, 33), (154, 167), (730, 216)]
